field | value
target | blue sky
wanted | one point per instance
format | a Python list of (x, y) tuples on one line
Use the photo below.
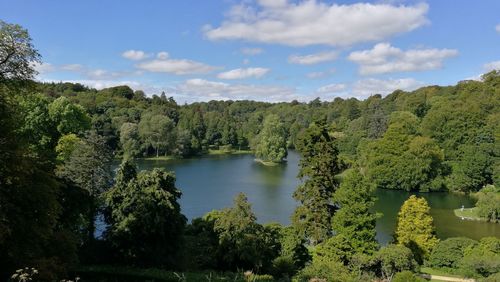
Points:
[(267, 50)]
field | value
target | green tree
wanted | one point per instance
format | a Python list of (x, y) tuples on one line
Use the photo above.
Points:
[(449, 252), (482, 259), (89, 168), (488, 204), (129, 138), (144, 217), (68, 117), (157, 131), (243, 243), (318, 167), (415, 227), (353, 223), (65, 146), (395, 258), (271, 145), (17, 53)]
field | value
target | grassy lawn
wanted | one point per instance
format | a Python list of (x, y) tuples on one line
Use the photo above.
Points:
[(440, 272), (470, 213)]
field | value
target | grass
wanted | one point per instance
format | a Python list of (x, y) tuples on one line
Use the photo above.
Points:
[(226, 152), (160, 158), (440, 272), (470, 213)]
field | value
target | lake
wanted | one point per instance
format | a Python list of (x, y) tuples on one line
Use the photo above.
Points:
[(211, 182)]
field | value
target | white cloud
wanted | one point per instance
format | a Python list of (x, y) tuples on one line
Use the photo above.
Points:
[(313, 22), (497, 28), (204, 90), (320, 74), (42, 68), (495, 65), (251, 51), (365, 88), (164, 63), (332, 88), (384, 58), (312, 59), (135, 55), (72, 67), (243, 73)]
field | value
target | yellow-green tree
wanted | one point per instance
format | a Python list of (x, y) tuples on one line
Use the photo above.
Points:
[(415, 228)]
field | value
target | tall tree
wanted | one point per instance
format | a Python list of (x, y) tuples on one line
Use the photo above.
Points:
[(271, 146), (129, 138), (354, 222), (144, 216), (415, 227), (318, 167), (17, 53), (157, 131), (89, 167)]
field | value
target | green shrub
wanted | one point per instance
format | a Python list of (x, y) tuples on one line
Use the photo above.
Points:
[(449, 252), (407, 276), (482, 259), (324, 270)]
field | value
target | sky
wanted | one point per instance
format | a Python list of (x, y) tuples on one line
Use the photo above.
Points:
[(265, 50)]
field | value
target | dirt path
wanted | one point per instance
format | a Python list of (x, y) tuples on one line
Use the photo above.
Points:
[(446, 278)]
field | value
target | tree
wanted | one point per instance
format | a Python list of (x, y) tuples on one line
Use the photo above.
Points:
[(89, 167), (488, 205), (482, 259), (415, 228), (129, 138), (17, 53), (144, 216), (474, 169), (449, 252), (271, 146), (395, 258), (353, 223), (243, 243), (68, 117), (403, 160), (318, 167), (65, 146), (157, 131)]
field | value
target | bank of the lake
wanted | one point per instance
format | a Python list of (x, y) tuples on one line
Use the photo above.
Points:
[(211, 182)]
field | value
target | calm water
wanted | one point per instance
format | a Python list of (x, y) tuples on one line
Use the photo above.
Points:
[(212, 182)]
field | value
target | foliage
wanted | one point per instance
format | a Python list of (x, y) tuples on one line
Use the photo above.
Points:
[(65, 146), (407, 276), (68, 117), (325, 270), (449, 252), (415, 227), (271, 145), (395, 258), (17, 53), (145, 223), (129, 139), (243, 243), (482, 259), (488, 204), (353, 223), (318, 166), (403, 160)]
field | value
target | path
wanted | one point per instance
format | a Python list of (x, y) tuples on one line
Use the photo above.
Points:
[(446, 278)]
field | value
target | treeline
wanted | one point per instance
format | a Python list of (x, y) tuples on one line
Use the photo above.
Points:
[(433, 138)]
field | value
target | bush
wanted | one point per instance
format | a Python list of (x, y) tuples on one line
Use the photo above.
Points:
[(482, 259), (324, 270), (395, 258), (449, 252), (407, 276), (283, 267)]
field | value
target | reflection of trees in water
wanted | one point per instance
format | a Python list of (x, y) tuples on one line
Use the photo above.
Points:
[(270, 176)]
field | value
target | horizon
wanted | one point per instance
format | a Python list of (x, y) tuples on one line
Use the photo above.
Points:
[(269, 51)]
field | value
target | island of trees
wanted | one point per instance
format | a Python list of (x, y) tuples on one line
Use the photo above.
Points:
[(58, 141)]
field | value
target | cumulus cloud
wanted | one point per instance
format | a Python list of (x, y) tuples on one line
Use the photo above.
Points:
[(251, 51), (365, 88), (384, 58), (243, 73), (495, 65), (332, 88), (135, 55), (204, 90), (312, 59), (163, 63), (313, 22)]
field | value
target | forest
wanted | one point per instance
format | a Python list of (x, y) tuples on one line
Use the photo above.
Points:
[(58, 142)]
